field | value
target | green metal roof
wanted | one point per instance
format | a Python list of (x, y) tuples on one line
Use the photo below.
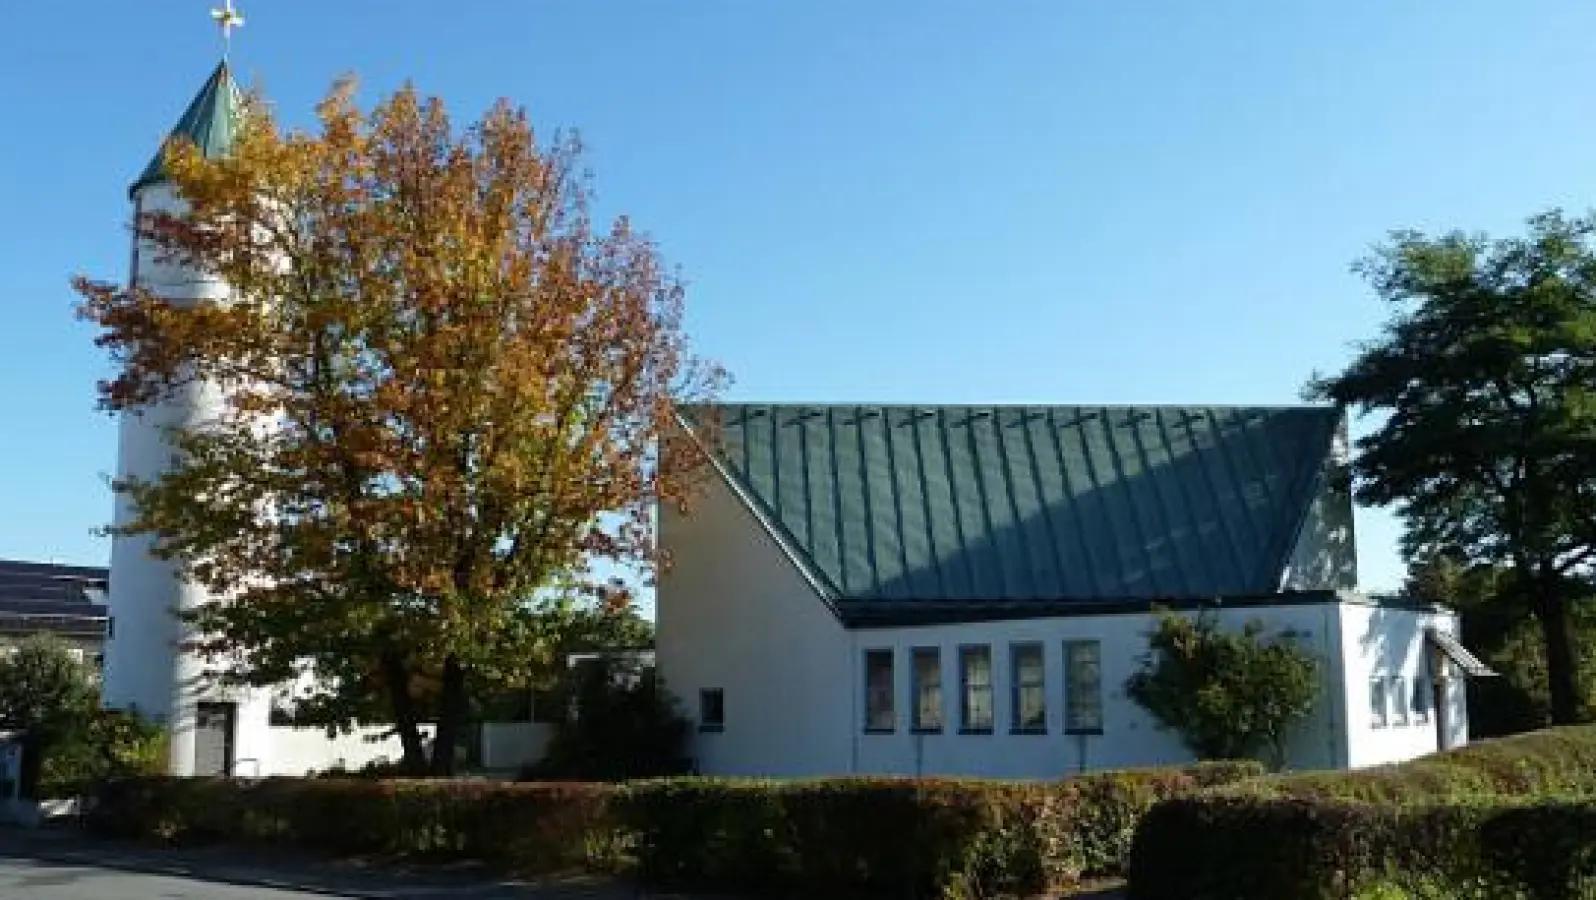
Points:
[(1004, 505), (209, 122)]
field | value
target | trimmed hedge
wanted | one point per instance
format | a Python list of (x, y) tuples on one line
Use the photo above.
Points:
[(522, 828), (1514, 817), (896, 837), (1559, 761), (1252, 849), (831, 837)]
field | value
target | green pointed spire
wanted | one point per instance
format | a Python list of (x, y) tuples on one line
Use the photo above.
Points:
[(210, 122)]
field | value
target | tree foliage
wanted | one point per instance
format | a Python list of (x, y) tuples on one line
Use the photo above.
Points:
[(624, 725), (1230, 695), (1498, 626), (110, 743), (46, 697), (444, 386), (1485, 375)]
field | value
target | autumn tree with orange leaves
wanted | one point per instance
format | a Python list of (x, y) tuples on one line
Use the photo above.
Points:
[(447, 388)]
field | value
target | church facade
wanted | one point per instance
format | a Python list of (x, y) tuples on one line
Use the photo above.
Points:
[(964, 590)]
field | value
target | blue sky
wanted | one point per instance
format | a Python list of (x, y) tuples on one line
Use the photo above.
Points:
[(1071, 201)]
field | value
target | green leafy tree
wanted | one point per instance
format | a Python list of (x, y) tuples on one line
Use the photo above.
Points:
[(1230, 695), (470, 381), (1483, 381), (571, 618), (109, 743), (46, 697), (1498, 626)]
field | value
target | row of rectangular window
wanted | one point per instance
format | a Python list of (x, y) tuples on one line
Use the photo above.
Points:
[(1391, 702), (1083, 694)]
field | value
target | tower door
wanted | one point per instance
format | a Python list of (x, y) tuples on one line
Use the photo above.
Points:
[(214, 724)]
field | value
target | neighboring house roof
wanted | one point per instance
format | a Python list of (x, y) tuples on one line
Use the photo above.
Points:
[(209, 123), (50, 597), (886, 506)]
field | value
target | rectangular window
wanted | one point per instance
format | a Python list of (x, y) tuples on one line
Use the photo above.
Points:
[(1030, 689), (712, 709), (879, 712), (1377, 704), (1399, 700), (1421, 700), (975, 683), (927, 689), (1083, 687)]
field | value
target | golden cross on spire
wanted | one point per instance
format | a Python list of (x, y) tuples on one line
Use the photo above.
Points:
[(227, 18)]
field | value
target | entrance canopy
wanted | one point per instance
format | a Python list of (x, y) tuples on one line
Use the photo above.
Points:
[(1447, 647)]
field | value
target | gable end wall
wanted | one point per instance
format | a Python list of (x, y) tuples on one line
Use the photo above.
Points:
[(734, 613)]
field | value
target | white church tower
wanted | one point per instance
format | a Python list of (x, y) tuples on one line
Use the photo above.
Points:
[(212, 731)]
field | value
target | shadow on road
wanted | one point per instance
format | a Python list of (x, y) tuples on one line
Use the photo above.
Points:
[(63, 860)]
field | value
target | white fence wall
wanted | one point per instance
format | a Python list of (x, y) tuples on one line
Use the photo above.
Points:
[(298, 751), (511, 745)]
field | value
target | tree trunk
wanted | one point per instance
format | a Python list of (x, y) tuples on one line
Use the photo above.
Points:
[(32, 762), (1562, 666), (397, 675), (451, 718)]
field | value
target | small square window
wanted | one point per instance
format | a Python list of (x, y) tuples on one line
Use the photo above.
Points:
[(712, 709), (1378, 715)]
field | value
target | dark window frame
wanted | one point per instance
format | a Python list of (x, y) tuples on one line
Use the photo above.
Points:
[(889, 712), (1075, 692), (711, 700), (966, 726), (918, 686), (1016, 703)]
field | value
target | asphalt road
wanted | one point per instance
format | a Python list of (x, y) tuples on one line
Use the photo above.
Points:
[(70, 868), (29, 878)]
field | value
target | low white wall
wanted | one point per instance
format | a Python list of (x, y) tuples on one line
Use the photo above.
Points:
[(299, 751), (510, 745)]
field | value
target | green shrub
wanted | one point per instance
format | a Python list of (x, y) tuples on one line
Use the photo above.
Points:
[(897, 837), (526, 828), (629, 726), (1504, 818), (107, 744)]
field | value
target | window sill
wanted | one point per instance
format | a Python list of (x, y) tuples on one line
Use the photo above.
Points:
[(975, 731), (1084, 731), (1041, 731), (880, 730), (711, 729), (936, 730)]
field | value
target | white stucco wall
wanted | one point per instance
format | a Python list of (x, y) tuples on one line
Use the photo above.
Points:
[(143, 667), (1324, 556), (300, 751), (1131, 737), (732, 612), (1388, 643)]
